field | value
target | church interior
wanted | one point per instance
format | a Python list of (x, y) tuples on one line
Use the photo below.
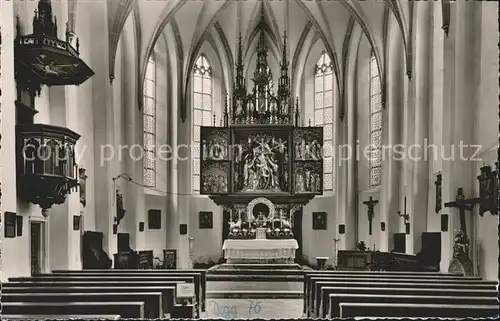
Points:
[(249, 159)]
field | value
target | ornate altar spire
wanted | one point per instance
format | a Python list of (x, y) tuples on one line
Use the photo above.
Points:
[(284, 84), (262, 46), (239, 87)]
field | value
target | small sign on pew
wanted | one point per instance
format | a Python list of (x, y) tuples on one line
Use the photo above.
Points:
[(185, 290)]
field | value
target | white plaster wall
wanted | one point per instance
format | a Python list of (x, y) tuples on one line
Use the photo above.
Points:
[(156, 240), (319, 242), (207, 242)]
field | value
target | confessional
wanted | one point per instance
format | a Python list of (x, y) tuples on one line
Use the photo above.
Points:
[(94, 257)]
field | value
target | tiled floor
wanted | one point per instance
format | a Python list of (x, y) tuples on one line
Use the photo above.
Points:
[(253, 308)]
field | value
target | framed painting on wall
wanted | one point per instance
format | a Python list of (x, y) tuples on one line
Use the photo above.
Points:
[(154, 219), (76, 222), (319, 220), (10, 224), (206, 220)]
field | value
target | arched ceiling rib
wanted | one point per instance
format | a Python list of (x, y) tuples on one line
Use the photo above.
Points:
[(196, 19)]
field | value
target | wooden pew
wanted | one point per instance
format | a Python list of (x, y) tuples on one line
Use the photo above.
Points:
[(52, 317), (187, 272), (327, 292), (348, 310), (152, 300), (168, 292), (395, 284), (151, 280), (309, 273), (315, 291), (337, 298), (124, 309)]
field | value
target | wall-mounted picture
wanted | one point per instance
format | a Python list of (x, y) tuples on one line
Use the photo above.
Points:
[(206, 220), (76, 222), (183, 229), (154, 219), (170, 259), (10, 224), (319, 220), (141, 226)]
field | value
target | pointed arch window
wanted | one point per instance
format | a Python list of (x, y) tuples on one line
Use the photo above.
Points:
[(324, 115), (375, 123), (149, 102), (202, 112)]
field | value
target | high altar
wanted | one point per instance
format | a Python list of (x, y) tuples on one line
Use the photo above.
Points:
[(261, 165)]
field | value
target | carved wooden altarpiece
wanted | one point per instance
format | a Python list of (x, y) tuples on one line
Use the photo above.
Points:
[(261, 152)]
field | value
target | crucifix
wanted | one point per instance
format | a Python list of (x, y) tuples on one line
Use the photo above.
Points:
[(406, 217), (371, 205), (462, 204)]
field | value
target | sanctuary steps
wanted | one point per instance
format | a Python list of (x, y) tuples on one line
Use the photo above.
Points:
[(255, 281)]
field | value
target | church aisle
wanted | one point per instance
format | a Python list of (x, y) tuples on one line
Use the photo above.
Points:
[(253, 308)]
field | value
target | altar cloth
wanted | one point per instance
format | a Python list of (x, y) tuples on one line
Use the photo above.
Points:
[(255, 250)]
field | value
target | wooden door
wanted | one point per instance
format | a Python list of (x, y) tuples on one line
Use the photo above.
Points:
[(36, 248)]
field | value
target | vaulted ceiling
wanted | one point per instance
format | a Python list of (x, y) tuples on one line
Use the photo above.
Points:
[(193, 22)]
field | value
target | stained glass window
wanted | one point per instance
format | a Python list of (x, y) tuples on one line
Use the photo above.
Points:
[(202, 112), (149, 102), (375, 124), (324, 116)]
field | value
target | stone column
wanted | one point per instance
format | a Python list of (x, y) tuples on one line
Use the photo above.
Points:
[(341, 163), (420, 81), (460, 73), (184, 188), (133, 137), (105, 151), (348, 240), (389, 204)]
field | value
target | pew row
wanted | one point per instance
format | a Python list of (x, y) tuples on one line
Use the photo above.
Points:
[(337, 299), (327, 293), (124, 309), (400, 274), (160, 280), (395, 282), (152, 300), (187, 272), (349, 310), (168, 292)]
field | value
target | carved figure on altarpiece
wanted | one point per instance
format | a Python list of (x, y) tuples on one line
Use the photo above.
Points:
[(215, 143), (307, 177), (214, 177), (261, 162), (308, 143)]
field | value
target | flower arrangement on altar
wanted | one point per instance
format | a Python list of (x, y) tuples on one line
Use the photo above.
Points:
[(241, 231), (279, 229)]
